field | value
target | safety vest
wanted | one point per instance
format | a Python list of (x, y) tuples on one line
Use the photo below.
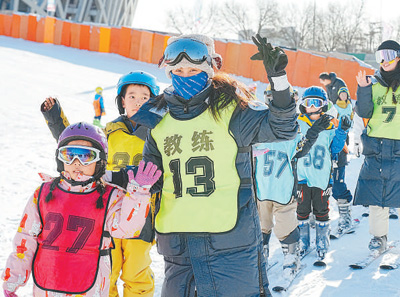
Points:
[(98, 105), (274, 170), (123, 148), (201, 183), (385, 120), (315, 167), (68, 252)]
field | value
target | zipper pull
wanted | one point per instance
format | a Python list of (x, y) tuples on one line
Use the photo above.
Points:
[(185, 108)]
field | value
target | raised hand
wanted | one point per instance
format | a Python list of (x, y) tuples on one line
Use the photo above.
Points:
[(274, 58), (362, 79), (48, 104), (145, 176)]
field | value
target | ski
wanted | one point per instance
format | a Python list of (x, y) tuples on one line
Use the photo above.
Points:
[(372, 256), (391, 260), (390, 266), (271, 263), (287, 279), (319, 262), (339, 232), (366, 212), (393, 213)]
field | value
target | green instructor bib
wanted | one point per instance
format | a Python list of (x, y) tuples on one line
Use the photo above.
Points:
[(201, 182), (385, 120)]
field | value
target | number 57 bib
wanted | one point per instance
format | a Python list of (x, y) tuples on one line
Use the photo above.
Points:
[(201, 183)]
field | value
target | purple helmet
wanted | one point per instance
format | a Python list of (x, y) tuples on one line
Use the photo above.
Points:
[(84, 131)]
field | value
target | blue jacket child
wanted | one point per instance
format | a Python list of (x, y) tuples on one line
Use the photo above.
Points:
[(314, 170)]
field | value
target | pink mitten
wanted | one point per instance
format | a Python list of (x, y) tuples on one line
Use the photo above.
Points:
[(9, 294), (145, 176)]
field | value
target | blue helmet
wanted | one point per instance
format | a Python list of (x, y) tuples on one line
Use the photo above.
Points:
[(137, 78), (316, 93)]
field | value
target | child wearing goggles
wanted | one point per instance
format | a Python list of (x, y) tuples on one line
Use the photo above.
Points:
[(126, 140), (68, 222), (378, 99), (275, 165), (314, 171)]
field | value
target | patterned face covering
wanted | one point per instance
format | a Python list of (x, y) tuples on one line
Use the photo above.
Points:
[(187, 87)]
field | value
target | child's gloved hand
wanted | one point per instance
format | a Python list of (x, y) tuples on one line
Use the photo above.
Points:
[(9, 294), (345, 123), (145, 177), (319, 125)]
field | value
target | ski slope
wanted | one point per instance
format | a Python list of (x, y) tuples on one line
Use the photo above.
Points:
[(31, 71)]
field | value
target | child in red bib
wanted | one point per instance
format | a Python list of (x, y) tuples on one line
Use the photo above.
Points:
[(64, 237)]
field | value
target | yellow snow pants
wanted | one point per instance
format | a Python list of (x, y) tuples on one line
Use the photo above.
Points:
[(132, 256)]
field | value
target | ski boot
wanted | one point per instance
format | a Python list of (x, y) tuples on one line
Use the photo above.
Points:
[(378, 244), (266, 237), (291, 255), (312, 220), (304, 244), (291, 250), (345, 220), (322, 238)]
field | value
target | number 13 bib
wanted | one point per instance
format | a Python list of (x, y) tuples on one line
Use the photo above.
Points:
[(201, 182)]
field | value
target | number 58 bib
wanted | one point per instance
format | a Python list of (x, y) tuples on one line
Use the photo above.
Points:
[(201, 182)]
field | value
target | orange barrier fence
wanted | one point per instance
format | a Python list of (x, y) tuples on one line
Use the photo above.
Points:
[(303, 68)]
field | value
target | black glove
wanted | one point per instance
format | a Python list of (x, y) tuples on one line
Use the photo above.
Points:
[(319, 125), (274, 58), (345, 123)]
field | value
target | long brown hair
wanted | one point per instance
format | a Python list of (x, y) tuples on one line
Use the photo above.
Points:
[(225, 89)]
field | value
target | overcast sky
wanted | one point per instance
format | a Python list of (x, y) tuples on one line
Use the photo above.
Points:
[(151, 14)]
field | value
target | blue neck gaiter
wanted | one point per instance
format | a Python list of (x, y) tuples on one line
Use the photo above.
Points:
[(187, 87)]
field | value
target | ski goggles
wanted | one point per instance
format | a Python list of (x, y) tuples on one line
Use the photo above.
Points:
[(194, 51), (386, 55), (86, 155), (316, 102)]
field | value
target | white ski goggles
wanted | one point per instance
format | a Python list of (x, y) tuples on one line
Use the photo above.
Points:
[(85, 154), (386, 55)]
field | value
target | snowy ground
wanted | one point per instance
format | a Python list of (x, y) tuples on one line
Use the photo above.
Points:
[(31, 71)]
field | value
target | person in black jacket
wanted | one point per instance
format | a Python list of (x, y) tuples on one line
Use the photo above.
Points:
[(202, 129), (332, 84)]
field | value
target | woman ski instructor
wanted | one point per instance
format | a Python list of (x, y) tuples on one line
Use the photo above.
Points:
[(203, 127)]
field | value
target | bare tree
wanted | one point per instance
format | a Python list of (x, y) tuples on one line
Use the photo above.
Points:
[(298, 25), (397, 22), (328, 26), (246, 19), (268, 14), (353, 20), (236, 18), (195, 19)]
